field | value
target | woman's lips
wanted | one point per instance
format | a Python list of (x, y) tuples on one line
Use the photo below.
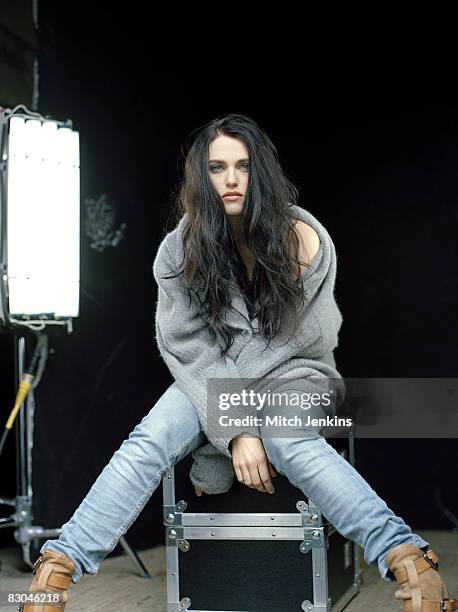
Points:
[(232, 198)]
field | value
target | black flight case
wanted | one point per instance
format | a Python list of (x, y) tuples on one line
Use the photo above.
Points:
[(248, 551)]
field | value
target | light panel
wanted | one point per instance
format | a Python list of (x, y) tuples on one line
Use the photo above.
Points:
[(43, 218)]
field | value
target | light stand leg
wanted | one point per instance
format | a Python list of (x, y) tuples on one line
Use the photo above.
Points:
[(144, 573)]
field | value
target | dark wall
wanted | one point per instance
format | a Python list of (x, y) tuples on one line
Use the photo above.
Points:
[(377, 169), (18, 49)]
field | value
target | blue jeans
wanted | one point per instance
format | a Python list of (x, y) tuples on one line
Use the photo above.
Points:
[(169, 432)]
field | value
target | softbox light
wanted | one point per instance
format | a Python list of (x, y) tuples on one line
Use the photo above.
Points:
[(40, 220)]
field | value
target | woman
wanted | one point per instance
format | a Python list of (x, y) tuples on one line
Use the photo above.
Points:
[(244, 268)]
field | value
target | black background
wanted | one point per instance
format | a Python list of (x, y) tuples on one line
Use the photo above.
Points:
[(374, 152)]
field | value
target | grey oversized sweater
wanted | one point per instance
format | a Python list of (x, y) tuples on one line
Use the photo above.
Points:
[(195, 360)]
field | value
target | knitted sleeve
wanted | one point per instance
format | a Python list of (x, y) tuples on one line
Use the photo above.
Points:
[(193, 357)]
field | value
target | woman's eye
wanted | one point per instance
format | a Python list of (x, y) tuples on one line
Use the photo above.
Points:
[(215, 167)]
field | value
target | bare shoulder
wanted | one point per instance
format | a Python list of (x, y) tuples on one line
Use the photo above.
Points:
[(309, 243)]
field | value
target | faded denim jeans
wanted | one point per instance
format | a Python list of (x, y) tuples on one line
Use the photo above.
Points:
[(169, 432)]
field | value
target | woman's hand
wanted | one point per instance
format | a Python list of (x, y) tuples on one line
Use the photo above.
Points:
[(251, 465)]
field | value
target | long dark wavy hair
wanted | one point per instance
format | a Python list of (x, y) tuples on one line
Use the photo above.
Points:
[(212, 263)]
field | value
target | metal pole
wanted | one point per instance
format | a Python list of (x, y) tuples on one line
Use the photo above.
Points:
[(22, 430)]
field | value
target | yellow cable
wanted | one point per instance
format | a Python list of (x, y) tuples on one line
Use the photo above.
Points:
[(24, 387)]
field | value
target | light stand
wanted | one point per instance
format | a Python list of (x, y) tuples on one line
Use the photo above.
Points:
[(22, 518)]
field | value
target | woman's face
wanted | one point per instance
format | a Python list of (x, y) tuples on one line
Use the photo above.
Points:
[(228, 167)]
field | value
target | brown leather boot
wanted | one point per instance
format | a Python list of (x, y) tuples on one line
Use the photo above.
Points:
[(53, 574), (422, 587)]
